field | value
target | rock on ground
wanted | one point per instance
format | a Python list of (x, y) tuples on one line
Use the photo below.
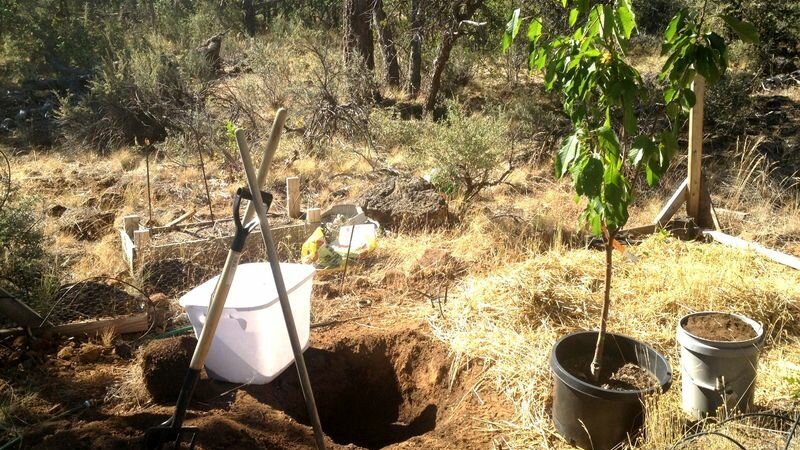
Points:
[(405, 202), (164, 363)]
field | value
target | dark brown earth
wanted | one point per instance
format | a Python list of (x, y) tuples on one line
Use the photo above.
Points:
[(719, 327), (616, 375), (164, 363), (376, 387)]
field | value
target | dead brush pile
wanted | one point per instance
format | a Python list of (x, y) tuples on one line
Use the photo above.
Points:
[(510, 319)]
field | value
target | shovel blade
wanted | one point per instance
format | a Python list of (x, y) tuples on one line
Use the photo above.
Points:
[(170, 438)]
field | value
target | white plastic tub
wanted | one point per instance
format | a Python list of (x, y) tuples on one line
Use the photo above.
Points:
[(251, 345)]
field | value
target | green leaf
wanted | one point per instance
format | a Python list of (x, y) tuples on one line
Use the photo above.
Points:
[(706, 65), (573, 16), (672, 28), (747, 32), (628, 108), (589, 180), (512, 28), (567, 154), (607, 140), (535, 31), (687, 99), (627, 20), (643, 148)]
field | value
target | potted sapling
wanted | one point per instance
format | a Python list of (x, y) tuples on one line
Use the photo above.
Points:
[(599, 377), (719, 350)]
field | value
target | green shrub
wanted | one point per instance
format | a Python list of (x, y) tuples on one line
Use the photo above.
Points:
[(142, 95), (469, 153), (21, 247)]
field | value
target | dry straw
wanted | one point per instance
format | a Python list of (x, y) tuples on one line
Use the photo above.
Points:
[(510, 318)]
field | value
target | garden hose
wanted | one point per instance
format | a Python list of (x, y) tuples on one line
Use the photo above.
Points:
[(695, 436)]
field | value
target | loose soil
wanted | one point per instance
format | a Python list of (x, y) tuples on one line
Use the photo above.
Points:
[(616, 374), (375, 388), (719, 327), (164, 363)]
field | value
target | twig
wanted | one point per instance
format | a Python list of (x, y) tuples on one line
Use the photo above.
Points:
[(335, 322)]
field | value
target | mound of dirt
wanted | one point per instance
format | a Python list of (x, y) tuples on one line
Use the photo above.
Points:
[(164, 363), (86, 224), (405, 202)]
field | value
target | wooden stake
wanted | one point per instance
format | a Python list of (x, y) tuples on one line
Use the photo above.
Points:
[(18, 311), (141, 238), (696, 151), (313, 215), (293, 197)]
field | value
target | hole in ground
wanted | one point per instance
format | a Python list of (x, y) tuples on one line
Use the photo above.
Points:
[(373, 391)]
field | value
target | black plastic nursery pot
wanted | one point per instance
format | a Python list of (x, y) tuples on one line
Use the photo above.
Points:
[(593, 417)]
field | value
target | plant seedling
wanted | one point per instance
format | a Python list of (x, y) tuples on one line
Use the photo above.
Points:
[(599, 89)]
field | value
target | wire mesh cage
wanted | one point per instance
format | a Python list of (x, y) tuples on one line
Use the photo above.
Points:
[(95, 298)]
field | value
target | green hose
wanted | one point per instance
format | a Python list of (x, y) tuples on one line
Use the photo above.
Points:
[(170, 333)]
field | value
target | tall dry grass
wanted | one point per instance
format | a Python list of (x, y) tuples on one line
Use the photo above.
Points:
[(511, 317)]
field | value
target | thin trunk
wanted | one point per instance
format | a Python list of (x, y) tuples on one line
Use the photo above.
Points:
[(388, 49), (597, 361), (249, 17), (449, 37), (448, 40), (357, 33), (415, 56)]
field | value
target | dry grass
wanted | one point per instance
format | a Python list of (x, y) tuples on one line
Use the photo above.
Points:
[(511, 317)]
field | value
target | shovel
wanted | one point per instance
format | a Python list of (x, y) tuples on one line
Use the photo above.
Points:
[(283, 297), (172, 431)]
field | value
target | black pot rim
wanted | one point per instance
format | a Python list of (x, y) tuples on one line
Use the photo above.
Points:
[(597, 391)]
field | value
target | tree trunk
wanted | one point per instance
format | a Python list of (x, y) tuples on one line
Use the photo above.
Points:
[(386, 37), (415, 56), (357, 33), (249, 17), (597, 361), (448, 40), (449, 37)]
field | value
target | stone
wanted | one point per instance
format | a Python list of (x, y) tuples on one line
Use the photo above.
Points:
[(90, 353), (65, 353), (405, 202)]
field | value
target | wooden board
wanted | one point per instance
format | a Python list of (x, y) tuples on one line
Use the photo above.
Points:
[(673, 204), (735, 242), (18, 311), (135, 323)]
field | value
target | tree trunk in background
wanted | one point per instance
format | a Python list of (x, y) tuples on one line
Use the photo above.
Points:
[(249, 17), (449, 37), (386, 37), (357, 32), (415, 56)]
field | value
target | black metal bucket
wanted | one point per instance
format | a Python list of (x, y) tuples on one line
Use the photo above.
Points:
[(592, 417)]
